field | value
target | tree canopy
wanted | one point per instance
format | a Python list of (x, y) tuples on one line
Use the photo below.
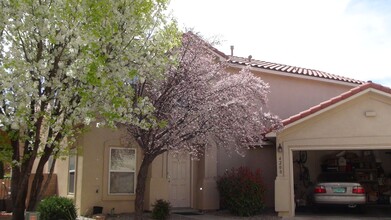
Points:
[(65, 62), (197, 102), (198, 98)]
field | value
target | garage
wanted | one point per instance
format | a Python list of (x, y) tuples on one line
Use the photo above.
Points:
[(370, 168), (349, 133)]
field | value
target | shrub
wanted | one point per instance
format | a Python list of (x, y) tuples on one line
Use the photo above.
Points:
[(161, 209), (57, 208), (241, 191)]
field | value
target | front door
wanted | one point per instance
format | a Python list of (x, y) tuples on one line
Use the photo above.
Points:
[(179, 179)]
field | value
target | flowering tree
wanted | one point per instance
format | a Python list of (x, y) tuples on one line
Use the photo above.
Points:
[(64, 62), (198, 100)]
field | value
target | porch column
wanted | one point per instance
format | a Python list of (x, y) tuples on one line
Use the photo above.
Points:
[(282, 182)]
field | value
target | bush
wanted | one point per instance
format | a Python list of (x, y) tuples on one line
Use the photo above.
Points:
[(241, 191), (161, 209), (57, 208)]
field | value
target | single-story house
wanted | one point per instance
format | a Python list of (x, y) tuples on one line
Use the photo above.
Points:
[(352, 116)]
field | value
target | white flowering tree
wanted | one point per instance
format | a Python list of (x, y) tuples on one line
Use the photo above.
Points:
[(65, 62), (197, 100)]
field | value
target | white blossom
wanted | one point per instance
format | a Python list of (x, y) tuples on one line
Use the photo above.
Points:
[(63, 63)]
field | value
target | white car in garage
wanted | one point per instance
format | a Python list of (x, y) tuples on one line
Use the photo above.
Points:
[(338, 188)]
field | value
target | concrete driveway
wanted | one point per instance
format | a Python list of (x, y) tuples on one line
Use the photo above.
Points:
[(329, 213), (336, 212)]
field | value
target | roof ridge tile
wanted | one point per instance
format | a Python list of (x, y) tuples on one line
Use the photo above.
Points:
[(291, 69)]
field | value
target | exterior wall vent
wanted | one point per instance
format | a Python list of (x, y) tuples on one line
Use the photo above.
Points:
[(370, 114)]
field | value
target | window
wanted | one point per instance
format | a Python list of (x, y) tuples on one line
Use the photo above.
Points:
[(71, 172), (50, 163), (122, 171)]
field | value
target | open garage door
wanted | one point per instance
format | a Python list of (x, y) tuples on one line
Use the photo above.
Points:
[(353, 128), (370, 167)]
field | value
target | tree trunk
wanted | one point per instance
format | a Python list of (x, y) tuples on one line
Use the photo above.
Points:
[(16, 189), (19, 207), (1, 170), (18, 194), (15, 174), (19, 182), (36, 185), (47, 182), (140, 188), (35, 190)]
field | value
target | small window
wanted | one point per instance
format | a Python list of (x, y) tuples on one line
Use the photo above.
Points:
[(122, 171), (50, 163), (72, 172)]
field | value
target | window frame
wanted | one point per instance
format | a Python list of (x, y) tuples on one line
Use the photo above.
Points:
[(72, 156), (109, 171)]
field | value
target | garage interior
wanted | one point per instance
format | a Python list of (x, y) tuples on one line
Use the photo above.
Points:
[(372, 168)]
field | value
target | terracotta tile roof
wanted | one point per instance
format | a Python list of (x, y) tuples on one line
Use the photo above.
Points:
[(290, 69), (276, 66), (335, 100)]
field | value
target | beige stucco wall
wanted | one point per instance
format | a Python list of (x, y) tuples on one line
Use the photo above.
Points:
[(205, 190), (291, 94), (92, 171), (157, 182), (346, 125), (260, 158)]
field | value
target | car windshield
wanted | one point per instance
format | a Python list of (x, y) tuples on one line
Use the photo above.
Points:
[(336, 177)]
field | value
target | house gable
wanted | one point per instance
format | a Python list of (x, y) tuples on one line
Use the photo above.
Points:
[(364, 111)]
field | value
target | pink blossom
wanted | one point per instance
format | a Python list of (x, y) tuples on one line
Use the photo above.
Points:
[(198, 102)]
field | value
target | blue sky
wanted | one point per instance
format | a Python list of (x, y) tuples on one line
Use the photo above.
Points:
[(345, 37)]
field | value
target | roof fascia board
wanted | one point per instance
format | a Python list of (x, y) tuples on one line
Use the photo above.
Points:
[(293, 75), (379, 92), (271, 134)]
